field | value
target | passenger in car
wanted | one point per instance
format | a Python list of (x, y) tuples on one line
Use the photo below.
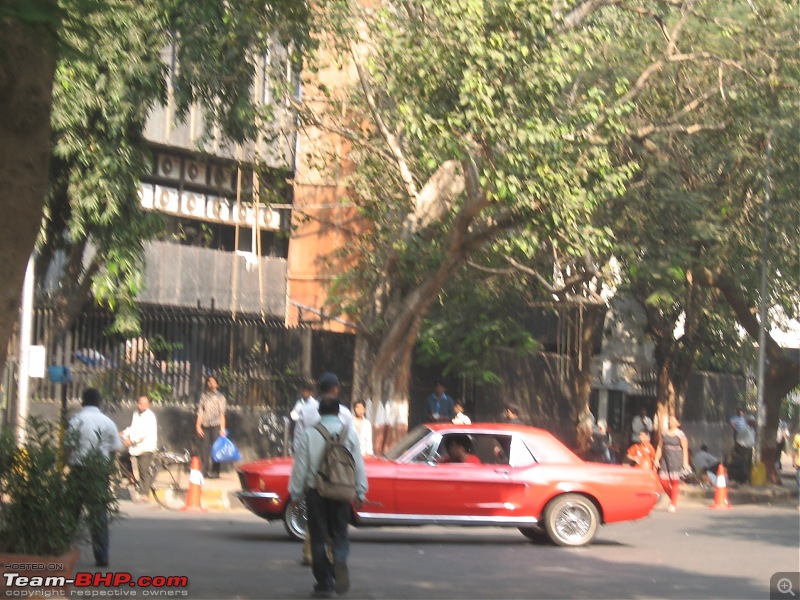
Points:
[(459, 450)]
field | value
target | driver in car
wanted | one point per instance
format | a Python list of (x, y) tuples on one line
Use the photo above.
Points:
[(459, 450)]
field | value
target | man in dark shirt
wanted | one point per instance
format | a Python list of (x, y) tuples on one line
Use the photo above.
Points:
[(440, 406), (511, 414)]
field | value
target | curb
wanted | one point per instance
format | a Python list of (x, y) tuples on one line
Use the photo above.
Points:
[(217, 499), (767, 494)]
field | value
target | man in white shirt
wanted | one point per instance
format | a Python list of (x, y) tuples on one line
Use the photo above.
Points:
[(305, 400), (93, 431), (141, 440)]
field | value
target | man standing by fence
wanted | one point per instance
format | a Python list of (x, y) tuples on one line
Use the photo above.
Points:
[(141, 440), (210, 424)]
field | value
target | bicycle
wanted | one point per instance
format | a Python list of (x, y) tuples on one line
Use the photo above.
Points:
[(276, 431), (170, 478)]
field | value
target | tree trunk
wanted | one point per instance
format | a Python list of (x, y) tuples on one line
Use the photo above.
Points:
[(782, 374), (591, 318), (27, 69), (665, 400), (386, 392)]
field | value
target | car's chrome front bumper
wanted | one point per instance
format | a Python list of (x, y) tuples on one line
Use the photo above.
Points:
[(267, 505)]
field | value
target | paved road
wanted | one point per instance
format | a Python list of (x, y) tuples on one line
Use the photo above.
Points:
[(694, 553)]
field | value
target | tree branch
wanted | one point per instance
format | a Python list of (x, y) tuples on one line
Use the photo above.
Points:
[(581, 12), (566, 292), (673, 36), (491, 270), (388, 136), (436, 198), (648, 130), (745, 314), (308, 116)]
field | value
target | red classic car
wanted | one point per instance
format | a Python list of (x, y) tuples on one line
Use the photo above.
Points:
[(526, 478)]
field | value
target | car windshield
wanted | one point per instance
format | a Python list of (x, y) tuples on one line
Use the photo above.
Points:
[(413, 437)]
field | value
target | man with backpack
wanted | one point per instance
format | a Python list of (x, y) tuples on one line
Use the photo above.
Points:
[(330, 474)]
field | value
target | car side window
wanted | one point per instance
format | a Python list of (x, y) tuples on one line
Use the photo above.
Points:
[(428, 452), (493, 449), (520, 455)]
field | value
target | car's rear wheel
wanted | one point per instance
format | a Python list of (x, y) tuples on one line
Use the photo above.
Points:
[(534, 534), (294, 520), (571, 520)]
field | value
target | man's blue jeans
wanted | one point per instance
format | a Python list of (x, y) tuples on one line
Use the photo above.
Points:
[(98, 518), (327, 519)]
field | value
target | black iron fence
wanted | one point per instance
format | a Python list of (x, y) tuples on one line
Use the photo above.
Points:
[(258, 363)]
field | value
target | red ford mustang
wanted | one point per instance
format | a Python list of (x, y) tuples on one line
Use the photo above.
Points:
[(524, 478)]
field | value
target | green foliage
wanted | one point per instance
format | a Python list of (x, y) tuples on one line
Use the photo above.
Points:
[(466, 340), (111, 73), (496, 83), (40, 497), (698, 201), (637, 133)]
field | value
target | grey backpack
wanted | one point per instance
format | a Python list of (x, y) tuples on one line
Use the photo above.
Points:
[(336, 476)]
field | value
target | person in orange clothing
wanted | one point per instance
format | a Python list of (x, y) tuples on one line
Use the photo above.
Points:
[(642, 454), (459, 450)]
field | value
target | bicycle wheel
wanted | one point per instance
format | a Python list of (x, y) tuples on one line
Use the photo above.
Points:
[(169, 487), (171, 496)]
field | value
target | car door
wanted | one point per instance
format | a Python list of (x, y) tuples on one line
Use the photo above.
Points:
[(455, 489)]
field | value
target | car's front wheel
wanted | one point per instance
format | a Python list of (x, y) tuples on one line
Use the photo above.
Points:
[(294, 520), (571, 520)]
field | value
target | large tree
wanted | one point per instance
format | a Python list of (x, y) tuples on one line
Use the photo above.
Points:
[(489, 120), (485, 128), (28, 52), (708, 197), (93, 70)]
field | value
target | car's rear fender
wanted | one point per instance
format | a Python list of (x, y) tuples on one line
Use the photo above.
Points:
[(572, 489)]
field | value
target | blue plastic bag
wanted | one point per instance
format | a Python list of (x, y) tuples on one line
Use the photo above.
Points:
[(224, 450)]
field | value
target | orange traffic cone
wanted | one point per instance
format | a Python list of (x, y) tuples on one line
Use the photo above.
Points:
[(195, 492), (721, 491)]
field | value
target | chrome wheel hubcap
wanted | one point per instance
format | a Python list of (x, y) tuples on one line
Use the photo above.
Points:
[(573, 522)]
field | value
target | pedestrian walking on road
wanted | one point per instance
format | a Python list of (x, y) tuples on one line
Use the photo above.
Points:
[(672, 458), (96, 433), (310, 416), (210, 424), (327, 518)]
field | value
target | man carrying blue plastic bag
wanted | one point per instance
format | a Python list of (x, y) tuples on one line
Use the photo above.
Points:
[(224, 450)]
